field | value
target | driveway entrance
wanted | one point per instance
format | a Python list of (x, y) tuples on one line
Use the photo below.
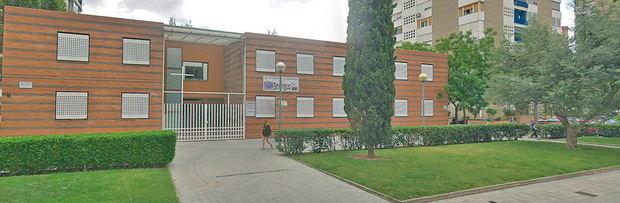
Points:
[(237, 171)]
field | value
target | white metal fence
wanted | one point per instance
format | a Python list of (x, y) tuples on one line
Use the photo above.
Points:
[(201, 122)]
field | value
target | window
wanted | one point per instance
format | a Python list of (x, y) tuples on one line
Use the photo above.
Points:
[(136, 51), (518, 32), (173, 57), (427, 108), (72, 47), (428, 70), (338, 108), (401, 71), (400, 108), (468, 11), (521, 3), (424, 22), (305, 107), (398, 30), (196, 71), (520, 17), (555, 5), (265, 107), (265, 61), (71, 105), (557, 22), (339, 63), (305, 64), (135, 105)]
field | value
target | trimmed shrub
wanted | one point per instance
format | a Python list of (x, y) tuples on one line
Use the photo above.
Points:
[(76, 152), (295, 141), (552, 131)]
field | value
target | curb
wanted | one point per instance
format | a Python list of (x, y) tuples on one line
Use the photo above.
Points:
[(468, 191)]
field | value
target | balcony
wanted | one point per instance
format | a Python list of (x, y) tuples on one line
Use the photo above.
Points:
[(521, 3), (520, 17), (474, 17)]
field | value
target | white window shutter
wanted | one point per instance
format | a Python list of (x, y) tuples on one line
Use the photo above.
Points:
[(71, 105), (338, 108), (400, 108), (72, 47), (265, 107), (428, 69), (205, 71), (265, 61), (135, 105), (427, 107), (401, 71), (305, 107), (136, 51), (339, 63), (305, 64)]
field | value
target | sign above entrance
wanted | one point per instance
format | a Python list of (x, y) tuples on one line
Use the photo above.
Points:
[(272, 83)]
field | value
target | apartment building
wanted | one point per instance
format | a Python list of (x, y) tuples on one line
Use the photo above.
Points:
[(426, 21), (72, 73)]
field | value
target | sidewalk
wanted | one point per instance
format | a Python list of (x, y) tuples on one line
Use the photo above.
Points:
[(603, 187), (237, 171)]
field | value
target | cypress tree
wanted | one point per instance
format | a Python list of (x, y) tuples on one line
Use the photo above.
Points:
[(368, 82)]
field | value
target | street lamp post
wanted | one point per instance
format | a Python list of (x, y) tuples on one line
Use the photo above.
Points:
[(280, 67), (423, 77)]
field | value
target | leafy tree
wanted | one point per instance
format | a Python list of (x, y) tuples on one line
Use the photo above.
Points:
[(417, 47), (368, 82), (581, 81), (55, 5), (469, 64)]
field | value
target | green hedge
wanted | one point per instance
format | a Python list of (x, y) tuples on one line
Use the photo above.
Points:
[(558, 131), (294, 141), (58, 153)]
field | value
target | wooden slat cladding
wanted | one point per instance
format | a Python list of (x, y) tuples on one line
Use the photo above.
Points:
[(323, 86), (30, 42)]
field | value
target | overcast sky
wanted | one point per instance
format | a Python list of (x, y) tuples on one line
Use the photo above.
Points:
[(314, 19)]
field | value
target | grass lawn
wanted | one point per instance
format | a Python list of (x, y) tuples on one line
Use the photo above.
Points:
[(422, 171), (133, 185), (600, 140)]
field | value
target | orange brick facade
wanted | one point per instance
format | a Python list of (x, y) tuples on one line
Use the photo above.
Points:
[(323, 86), (30, 43)]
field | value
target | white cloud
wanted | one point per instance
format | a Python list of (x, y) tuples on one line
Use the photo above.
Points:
[(314, 19)]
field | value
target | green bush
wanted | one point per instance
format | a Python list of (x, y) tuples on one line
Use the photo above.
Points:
[(552, 131), (295, 141), (59, 153)]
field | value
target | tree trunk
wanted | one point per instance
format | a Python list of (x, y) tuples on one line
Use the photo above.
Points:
[(571, 132), (371, 151), (535, 116), (456, 113)]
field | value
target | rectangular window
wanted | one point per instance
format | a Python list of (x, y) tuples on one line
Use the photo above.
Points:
[(71, 105), (400, 108), (338, 108), (305, 64), (424, 22), (136, 51), (135, 105), (520, 17), (196, 71), (401, 71), (265, 61), (305, 107), (265, 107), (555, 5), (339, 63), (427, 108), (428, 70), (174, 57), (72, 47)]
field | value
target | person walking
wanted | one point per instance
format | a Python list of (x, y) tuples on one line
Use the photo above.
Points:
[(266, 134)]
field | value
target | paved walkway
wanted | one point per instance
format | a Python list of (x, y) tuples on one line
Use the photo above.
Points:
[(603, 187), (237, 171), (563, 141)]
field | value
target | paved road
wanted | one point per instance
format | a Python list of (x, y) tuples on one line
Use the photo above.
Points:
[(237, 171), (604, 187)]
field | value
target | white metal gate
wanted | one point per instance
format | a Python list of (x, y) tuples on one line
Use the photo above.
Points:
[(201, 122)]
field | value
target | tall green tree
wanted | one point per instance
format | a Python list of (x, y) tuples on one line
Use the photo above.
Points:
[(468, 72), (570, 82), (368, 82), (416, 47), (55, 5)]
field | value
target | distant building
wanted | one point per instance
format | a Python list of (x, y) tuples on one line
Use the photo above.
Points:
[(74, 6), (565, 30), (426, 21)]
